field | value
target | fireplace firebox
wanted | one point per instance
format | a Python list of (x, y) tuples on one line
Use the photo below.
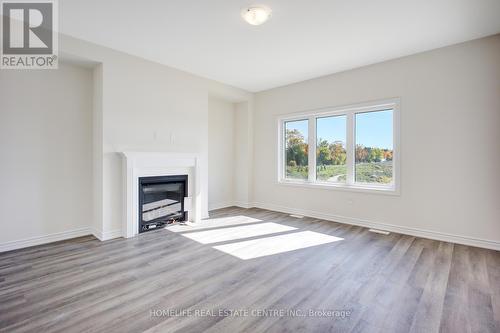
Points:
[(161, 201)]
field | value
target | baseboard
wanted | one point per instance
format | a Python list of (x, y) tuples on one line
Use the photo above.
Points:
[(39, 240), (229, 204), (220, 205), (440, 236), (243, 204), (106, 235)]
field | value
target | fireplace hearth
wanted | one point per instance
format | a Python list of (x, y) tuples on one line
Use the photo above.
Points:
[(161, 201)]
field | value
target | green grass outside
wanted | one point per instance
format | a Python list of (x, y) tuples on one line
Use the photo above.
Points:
[(376, 172), (296, 172), (325, 172)]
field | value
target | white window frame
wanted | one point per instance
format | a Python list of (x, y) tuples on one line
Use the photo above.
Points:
[(350, 112)]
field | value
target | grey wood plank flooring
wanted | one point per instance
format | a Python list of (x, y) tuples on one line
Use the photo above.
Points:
[(393, 283)]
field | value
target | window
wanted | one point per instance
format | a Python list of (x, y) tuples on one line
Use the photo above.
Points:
[(373, 154), (331, 154), (296, 149), (355, 148)]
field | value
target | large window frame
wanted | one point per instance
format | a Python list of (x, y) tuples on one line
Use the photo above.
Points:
[(350, 112)]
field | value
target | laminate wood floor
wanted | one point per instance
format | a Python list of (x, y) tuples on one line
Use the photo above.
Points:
[(244, 271)]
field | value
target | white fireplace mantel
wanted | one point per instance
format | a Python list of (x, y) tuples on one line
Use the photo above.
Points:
[(146, 164)]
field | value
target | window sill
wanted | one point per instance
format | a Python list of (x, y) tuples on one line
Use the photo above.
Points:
[(342, 187)]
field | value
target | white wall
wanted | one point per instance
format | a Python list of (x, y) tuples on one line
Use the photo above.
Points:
[(243, 140), (450, 139), (46, 155), (144, 106), (148, 107), (221, 153), (450, 107), (130, 104), (97, 151), (230, 153)]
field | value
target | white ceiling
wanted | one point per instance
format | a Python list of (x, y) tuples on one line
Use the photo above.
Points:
[(304, 38)]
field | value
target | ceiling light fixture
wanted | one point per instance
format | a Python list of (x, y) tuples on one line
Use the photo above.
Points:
[(256, 15)]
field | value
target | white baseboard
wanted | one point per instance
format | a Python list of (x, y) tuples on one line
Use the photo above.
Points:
[(488, 244), (32, 241), (243, 204), (229, 204), (219, 205), (440, 236), (106, 235)]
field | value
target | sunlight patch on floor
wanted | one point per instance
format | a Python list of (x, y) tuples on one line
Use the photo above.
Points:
[(277, 244), (239, 232), (213, 223)]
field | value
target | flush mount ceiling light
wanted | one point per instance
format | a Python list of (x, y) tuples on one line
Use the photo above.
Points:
[(256, 15)]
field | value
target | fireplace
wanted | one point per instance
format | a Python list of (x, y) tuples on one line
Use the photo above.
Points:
[(161, 201)]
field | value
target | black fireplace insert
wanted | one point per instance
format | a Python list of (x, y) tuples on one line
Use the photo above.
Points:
[(161, 201)]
